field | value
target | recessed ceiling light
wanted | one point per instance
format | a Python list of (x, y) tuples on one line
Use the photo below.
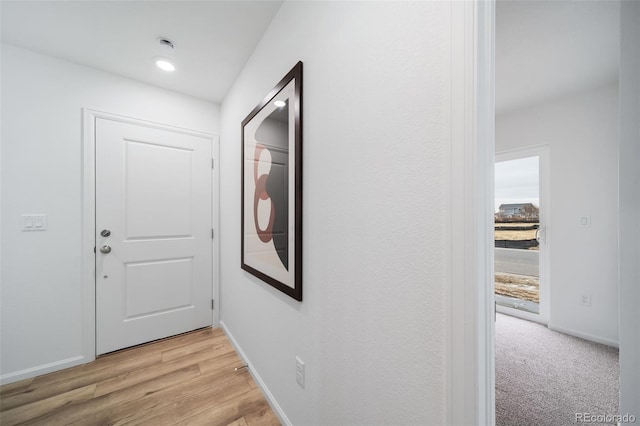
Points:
[(165, 64), (164, 57), (280, 104)]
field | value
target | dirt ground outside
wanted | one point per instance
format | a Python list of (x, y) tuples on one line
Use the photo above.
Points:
[(519, 286)]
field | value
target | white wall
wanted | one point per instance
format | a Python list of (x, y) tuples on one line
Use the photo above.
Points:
[(629, 209), (582, 133), (41, 288), (371, 327)]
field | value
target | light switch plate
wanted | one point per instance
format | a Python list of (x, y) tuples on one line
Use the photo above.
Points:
[(33, 222)]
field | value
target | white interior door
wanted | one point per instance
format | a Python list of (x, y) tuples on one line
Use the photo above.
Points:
[(153, 234)]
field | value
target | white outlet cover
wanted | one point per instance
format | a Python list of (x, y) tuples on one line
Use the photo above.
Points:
[(585, 221)]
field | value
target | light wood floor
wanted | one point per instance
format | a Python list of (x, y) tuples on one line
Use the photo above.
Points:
[(184, 380)]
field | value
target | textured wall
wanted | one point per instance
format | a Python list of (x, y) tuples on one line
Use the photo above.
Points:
[(376, 135), (42, 98)]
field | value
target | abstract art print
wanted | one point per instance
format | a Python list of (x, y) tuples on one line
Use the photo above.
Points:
[(272, 187)]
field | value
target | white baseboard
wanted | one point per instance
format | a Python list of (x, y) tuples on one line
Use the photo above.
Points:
[(41, 369), (585, 336), (270, 398)]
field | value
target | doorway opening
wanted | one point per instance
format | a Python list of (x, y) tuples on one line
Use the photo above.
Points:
[(544, 93), (520, 234)]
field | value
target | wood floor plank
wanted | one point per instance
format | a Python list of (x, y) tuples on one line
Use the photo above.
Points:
[(111, 402), (109, 366), (97, 370), (206, 389), (260, 413), (211, 365), (187, 407), (239, 422), (69, 381), (36, 409), (165, 382), (263, 417), (185, 350), (252, 383), (134, 357), (188, 339), (133, 377), (15, 387), (229, 411)]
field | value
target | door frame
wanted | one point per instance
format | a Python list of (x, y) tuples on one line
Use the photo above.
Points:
[(470, 364), (544, 187), (88, 258)]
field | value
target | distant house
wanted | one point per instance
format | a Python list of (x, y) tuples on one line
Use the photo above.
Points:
[(526, 211)]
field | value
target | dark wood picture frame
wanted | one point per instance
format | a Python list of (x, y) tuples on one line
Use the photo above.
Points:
[(271, 190)]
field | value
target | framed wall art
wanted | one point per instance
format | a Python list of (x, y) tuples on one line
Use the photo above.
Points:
[(272, 187)]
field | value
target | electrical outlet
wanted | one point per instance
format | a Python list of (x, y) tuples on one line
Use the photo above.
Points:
[(300, 372), (585, 300), (585, 221)]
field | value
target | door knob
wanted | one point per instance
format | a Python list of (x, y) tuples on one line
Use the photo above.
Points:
[(105, 233), (105, 249)]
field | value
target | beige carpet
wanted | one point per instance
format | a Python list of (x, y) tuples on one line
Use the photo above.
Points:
[(545, 378)]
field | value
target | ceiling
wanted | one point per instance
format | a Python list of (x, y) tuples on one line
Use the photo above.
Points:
[(213, 39), (546, 49)]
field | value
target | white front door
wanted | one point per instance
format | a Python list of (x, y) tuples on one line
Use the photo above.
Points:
[(153, 233)]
